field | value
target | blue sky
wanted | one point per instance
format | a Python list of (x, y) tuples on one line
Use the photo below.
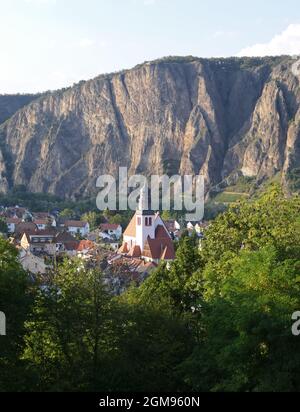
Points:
[(48, 44)]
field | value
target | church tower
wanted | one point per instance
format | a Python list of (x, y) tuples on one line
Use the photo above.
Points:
[(145, 220), (146, 236)]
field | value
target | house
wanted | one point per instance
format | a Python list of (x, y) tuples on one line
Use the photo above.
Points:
[(174, 228), (123, 271), (44, 222), (16, 212), (199, 228), (86, 249), (147, 237), (28, 227), (39, 242), (12, 223), (85, 246), (41, 215), (110, 243), (113, 231), (66, 244), (190, 227), (94, 235), (32, 263), (77, 227)]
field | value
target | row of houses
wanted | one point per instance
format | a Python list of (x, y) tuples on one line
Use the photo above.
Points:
[(40, 249), (122, 271), (177, 229), (21, 219), (42, 238), (17, 225)]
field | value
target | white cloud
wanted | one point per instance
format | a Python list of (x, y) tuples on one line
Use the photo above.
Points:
[(288, 42)]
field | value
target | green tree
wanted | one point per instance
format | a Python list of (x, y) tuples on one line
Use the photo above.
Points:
[(245, 293), (116, 220), (150, 341), (108, 214), (172, 283), (69, 325), (248, 343), (166, 215), (81, 338), (15, 301), (237, 295), (3, 226), (122, 219), (93, 218), (67, 214)]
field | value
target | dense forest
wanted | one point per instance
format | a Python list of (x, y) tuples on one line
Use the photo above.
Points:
[(218, 319)]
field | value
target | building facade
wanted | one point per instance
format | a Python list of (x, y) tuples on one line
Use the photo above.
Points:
[(147, 237)]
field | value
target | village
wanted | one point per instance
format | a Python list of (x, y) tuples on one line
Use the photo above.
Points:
[(44, 239)]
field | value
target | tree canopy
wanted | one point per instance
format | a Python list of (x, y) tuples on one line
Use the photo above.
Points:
[(218, 318)]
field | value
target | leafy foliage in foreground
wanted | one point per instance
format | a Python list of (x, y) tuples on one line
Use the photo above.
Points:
[(80, 338), (238, 294), (15, 301), (219, 319)]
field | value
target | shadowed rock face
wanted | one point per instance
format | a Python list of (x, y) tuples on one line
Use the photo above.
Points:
[(10, 104), (216, 117)]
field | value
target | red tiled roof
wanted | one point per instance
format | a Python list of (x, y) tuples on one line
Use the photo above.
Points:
[(135, 252), (18, 211), (26, 227), (71, 246), (47, 233), (41, 222), (64, 237), (13, 220), (162, 248), (123, 248), (159, 248), (85, 245), (161, 233), (147, 267), (41, 215), (168, 253)]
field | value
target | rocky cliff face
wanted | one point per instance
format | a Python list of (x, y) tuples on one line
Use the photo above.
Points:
[(10, 104), (219, 117)]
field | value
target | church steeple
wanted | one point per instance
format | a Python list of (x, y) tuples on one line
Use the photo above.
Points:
[(145, 202), (146, 235), (145, 220)]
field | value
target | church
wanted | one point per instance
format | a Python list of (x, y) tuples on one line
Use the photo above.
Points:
[(146, 236)]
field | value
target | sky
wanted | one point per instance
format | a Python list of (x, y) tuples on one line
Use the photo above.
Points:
[(50, 44)]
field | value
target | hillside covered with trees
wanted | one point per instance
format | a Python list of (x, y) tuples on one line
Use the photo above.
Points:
[(219, 319)]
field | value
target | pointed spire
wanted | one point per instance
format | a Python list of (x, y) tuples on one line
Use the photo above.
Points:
[(143, 203)]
